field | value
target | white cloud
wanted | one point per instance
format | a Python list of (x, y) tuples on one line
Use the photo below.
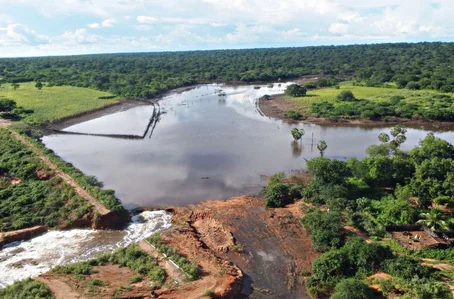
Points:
[(194, 24), (108, 22), (80, 36), (94, 25), (338, 28), (147, 20), (18, 34)]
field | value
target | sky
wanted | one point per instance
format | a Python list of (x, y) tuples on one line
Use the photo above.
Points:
[(67, 27)]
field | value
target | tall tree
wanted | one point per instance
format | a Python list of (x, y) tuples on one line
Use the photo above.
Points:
[(434, 220)]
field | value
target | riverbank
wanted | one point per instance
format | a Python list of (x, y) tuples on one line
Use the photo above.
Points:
[(277, 106), (242, 250)]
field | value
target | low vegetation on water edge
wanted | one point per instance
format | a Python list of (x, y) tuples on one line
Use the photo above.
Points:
[(30, 193), (51, 103), (388, 188), (132, 257), (89, 183), (189, 268), (26, 289), (376, 103)]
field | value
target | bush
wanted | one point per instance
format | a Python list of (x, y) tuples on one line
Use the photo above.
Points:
[(352, 289), (295, 90), (293, 115), (7, 105), (407, 268), (325, 229), (277, 195), (27, 289), (346, 95)]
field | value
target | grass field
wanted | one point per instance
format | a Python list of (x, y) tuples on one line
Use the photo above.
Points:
[(420, 97), (52, 103)]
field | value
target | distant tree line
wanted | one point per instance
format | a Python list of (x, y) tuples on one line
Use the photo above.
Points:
[(413, 66)]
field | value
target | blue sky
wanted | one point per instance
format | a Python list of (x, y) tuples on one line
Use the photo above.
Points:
[(64, 27)]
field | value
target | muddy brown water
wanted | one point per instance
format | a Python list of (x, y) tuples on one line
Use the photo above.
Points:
[(203, 146)]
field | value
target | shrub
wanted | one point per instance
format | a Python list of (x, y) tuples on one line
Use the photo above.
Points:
[(293, 115), (136, 279), (407, 268), (7, 105), (295, 90), (27, 289), (277, 195), (346, 95), (352, 289), (325, 229), (191, 269)]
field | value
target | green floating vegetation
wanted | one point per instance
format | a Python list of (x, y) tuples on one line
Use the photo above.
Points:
[(191, 269), (132, 257), (26, 289)]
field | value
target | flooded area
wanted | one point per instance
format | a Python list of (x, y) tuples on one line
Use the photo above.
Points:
[(20, 260), (208, 142)]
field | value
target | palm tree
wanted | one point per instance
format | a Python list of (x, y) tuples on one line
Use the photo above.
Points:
[(383, 137), (297, 133), (434, 220), (322, 146)]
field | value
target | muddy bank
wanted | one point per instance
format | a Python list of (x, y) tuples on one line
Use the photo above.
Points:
[(276, 108), (270, 246), (21, 234), (122, 105)]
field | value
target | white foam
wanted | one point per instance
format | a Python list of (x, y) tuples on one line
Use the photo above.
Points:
[(20, 260)]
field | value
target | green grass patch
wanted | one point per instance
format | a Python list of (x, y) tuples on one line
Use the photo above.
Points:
[(53, 103), (189, 268), (132, 257), (414, 103)]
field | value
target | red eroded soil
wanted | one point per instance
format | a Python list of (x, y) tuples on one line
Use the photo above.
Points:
[(242, 249), (270, 246)]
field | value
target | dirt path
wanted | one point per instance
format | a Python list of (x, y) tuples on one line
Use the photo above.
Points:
[(60, 289), (358, 233), (4, 123), (172, 271), (100, 208)]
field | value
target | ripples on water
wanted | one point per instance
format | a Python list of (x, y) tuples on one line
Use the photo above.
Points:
[(20, 260)]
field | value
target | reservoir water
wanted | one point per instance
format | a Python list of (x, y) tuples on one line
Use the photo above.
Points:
[(210, 142)]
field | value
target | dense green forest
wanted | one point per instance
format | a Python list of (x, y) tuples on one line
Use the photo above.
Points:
[(389, 187), (413, 66)]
